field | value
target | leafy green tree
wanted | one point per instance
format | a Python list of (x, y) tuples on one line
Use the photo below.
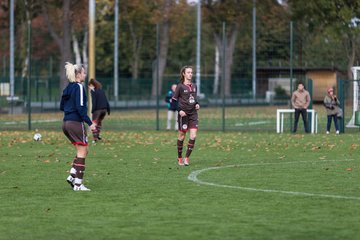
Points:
[(136, 40), (105, 38), (137, 15), (336, 20), (26, 12), (273, 33)]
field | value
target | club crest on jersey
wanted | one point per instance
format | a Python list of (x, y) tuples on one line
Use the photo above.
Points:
[(191, 99)]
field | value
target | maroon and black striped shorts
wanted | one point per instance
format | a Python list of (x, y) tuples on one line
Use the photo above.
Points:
[(75, 132)]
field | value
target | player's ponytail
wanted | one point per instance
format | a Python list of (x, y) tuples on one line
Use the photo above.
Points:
[(71, 70)]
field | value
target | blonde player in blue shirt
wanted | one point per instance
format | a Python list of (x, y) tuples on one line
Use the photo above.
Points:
[(73, 104)]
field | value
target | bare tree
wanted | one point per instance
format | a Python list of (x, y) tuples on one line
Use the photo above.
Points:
[(227, 48), (62, 38), (232, 14), (76, 47), (80, 51), (163, 47), (216, 71)]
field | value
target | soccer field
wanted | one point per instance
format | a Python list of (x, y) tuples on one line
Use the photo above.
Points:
[(238, 186)]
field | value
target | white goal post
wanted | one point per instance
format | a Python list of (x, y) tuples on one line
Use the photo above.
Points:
[(356, 75)]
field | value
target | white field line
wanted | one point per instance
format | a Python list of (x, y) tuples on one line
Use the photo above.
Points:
[(33, 121), (193, 176), (251, 123)]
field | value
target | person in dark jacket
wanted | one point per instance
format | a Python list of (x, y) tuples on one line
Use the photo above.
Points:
[(100, 106), (73, 104), (172, 108)]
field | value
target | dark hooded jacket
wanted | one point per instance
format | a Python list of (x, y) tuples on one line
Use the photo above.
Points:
[(73, 103)]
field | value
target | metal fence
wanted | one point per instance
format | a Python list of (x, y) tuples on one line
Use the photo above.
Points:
[(135, 107)]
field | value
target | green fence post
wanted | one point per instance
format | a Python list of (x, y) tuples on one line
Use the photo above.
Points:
[(29, 76), (291, 71), (157, 74), (223, 75), (50, 75), (341, 97)]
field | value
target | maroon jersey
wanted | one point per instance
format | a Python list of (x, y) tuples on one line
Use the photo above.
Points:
[(186, 97)]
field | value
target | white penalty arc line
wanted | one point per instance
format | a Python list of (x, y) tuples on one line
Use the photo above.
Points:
[(193, 176)]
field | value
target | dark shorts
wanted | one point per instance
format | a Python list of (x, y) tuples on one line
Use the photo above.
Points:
[(75, 132), (188, 122), (98, 116)]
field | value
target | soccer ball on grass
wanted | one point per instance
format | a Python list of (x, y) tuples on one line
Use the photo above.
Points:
[(37, 137)]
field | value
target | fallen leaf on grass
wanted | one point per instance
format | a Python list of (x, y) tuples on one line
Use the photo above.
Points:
[(331, 146), (315, 148), (349, 169), (354, 146)]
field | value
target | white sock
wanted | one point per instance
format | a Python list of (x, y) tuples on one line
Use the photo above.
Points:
[(78, 181)]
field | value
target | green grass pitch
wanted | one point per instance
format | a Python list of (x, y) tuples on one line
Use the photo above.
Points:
[(252, 186)]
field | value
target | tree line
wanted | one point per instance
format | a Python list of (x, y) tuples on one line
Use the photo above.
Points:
[(326, 34)]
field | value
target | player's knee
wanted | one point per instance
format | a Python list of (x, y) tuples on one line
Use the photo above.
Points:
[(181, 136), (85, 151), (192, 136)]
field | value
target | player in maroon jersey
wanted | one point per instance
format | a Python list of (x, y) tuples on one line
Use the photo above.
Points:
[(186, 96)]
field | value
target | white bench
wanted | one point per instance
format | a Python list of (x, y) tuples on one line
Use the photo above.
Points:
[(280, 119)]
